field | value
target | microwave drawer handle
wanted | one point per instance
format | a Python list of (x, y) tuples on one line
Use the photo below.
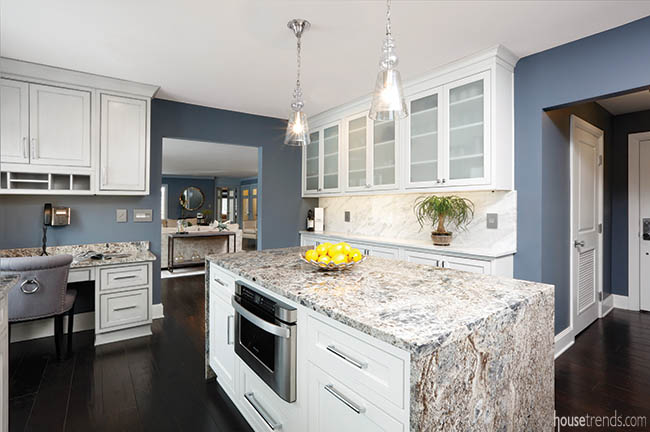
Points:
[(132, 276), (259, 322), (353, 406), (250, 397), (357, 363)]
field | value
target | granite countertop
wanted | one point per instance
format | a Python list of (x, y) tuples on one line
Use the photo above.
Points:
[(412, 306), (126, 253), (461, 251), (7, 282)]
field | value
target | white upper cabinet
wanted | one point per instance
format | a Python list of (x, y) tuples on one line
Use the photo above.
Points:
[(124, 155), (322, 161), (59, 126), (14, 121), (458, 135)]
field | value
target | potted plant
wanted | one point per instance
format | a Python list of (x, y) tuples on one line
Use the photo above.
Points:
[(440, 210)]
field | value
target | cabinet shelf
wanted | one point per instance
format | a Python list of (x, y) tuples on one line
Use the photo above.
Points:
[(383, 143), (428, 110), (469, 99), (424, 162), (466, 126), (27, 181), (470, 156), (424, 134)]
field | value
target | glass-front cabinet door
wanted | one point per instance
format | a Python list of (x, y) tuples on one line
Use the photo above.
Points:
[(330, 158), (357, 152), (321, 163), (468, 133), (312, 164), (423, 147), (384, 154)]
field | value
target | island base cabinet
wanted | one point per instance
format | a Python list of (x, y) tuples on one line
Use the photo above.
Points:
[(334, 406), (222, 354), (4, 381)]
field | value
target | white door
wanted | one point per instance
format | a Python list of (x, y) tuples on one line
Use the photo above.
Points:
[(14, 121), (644, 207), (384, 154), (59, 126), (331, 158), (357, 152), (424, 152), (123, 144), (586, 216), (222, 337)]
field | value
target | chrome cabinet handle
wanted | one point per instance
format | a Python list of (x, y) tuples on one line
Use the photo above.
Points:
[(272, 424), (124, 277), (228, 341), (34, 282), (25, 148), (577, 243), (259, 322), (351, 360), (444, 180), (103, 176), (219, 281), (353, 406), (34, 148), (438, 181), (124, 308)]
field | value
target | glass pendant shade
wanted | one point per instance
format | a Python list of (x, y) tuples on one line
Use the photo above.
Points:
[(297, 129), (388, 101)]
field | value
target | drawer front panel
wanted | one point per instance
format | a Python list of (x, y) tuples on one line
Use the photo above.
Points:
[(221, 283), (122, 308), (376, 374), (80, 275), (123, 277)]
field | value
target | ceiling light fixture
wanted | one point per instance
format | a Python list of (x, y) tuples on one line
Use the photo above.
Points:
[(388, 98), (297, 129)]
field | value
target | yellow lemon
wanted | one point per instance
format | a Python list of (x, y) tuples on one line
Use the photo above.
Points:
[(356, 256), (327, 244), (346, 248), (324, 259), (355, 251), (322, 249), (311, 255), (335, 250), (340, 258)]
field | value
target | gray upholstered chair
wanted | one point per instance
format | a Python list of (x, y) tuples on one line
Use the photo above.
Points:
[(41, 292)]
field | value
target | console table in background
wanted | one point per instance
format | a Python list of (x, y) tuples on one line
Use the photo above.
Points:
[(171, 238)]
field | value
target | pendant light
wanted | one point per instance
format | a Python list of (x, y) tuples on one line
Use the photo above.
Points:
[(388, 101), (297, 129)]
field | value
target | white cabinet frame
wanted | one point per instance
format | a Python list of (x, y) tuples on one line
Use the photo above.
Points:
[(321, 161)]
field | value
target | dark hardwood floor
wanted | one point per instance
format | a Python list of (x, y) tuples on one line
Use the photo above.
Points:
[(156, 383), (607, 369), (146, 384)]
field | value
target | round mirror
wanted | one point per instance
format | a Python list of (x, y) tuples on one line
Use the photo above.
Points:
[(192, 198)]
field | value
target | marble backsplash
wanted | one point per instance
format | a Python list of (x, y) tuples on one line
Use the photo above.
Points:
[(392, 217)]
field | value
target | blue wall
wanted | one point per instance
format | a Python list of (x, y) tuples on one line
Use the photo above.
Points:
[(603, 64), (177, 184)]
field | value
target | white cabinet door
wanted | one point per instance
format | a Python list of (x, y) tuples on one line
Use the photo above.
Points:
[(467, 149), (322, 161), (14, 121), (124, 153), (424, 147), (331, 158), (59, 126), (357, 152), (222, 336), (311, 163), (334, 406), (466, 264), (418, 257), (384, 154)]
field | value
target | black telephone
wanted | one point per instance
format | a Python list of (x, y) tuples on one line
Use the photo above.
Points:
[(53, 216), (47, 214)]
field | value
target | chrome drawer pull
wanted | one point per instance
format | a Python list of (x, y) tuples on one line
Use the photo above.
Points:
[(219, 281), (353, 406), (124, 277), (228, 341), (357, 363), (124, 308), (250, 397)]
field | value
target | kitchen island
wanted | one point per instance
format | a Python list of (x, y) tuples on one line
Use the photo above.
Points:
[(425, 348)]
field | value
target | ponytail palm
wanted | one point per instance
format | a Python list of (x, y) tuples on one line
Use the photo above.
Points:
[(439, 210)]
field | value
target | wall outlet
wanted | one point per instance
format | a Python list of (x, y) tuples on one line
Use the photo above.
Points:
[(142, 215), (492, 220), (121, 215), (347, 216)]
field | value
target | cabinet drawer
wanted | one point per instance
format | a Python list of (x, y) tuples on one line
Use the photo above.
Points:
[(80, 275), (334, 406), (123, 277), (122, 308), (374, 373), (221, 283)]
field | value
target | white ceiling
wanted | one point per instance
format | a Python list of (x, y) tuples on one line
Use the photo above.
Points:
[(199, 158), (631, 102), (239, 55)]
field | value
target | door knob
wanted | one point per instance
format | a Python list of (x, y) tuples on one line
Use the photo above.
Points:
[(577, 243)]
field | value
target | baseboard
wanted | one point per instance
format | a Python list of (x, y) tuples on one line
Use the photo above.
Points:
[(563, 341), (82, 322), (621, 302)]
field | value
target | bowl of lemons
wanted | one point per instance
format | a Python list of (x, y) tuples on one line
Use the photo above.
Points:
[(328, 256)]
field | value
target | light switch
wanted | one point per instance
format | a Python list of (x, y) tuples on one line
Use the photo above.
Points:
[(347, 216), (121, 215), (142, 215), (492, 220)]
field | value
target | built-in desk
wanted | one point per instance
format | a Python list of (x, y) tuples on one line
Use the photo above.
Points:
[(123, 285)]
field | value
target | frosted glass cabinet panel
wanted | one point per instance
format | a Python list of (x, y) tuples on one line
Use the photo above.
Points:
[(331, 158), (383, 150), (357, 152), (467, 129), (312, 163), (424, 149)]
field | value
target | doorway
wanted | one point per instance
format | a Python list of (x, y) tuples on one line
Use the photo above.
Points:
[(639, 220), (586, 165)]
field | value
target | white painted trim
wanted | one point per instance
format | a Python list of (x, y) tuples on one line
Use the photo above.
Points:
[(607, 306), (157, 311), (634, 220), (622, 302), (563, 341)]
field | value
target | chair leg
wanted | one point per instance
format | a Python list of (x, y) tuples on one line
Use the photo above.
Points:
[(58, 334), (70, 325)]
